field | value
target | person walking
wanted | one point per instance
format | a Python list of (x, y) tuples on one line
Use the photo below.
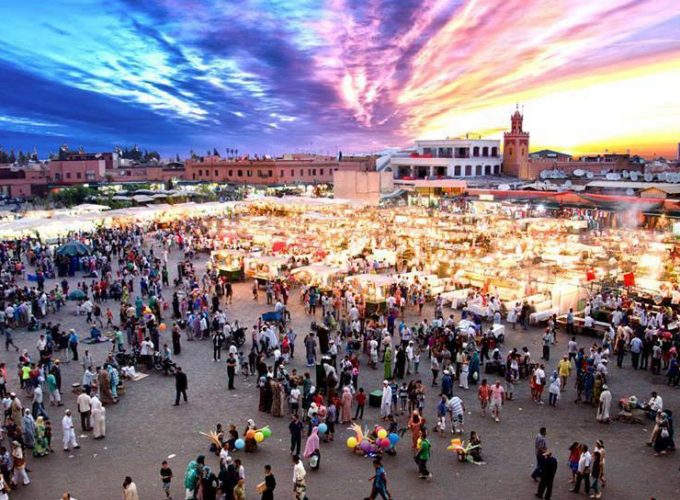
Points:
[(299, 481), (295, 427), (268, 486), (545, 486), (129, 489), (166, 478), (69, 432), (423, 455), (540, 446), (583, 471), (84, 409), (379, 486), (181, 385), (231, 370)]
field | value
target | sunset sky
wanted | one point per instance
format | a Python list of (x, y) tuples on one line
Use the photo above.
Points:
[(356, 75)]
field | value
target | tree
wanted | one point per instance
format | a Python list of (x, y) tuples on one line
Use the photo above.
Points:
[(177, 159), (215, 152), (12, 158)]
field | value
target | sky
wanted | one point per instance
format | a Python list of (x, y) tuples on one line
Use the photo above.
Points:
[(267, 77)]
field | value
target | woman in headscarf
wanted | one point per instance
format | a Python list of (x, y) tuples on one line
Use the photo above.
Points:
[(346, 406), (104, 381), (388, 363), (192, 477), (28, 429), (41, 446), (277, 395), (251, 444), (415, 423), (98, 418), (312, 450)]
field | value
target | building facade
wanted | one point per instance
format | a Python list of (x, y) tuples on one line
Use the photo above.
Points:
[(448, 158), (290, 169)]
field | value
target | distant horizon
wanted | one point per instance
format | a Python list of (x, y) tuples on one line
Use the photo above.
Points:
[(269, 77)]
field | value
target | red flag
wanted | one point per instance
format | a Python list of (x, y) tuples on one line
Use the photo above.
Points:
[(590, 274), (629, 279)]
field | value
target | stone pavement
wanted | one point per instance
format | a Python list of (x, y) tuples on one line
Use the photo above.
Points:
[(144, 429)]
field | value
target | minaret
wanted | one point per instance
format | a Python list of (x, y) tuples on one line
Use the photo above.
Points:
[(516, 148)]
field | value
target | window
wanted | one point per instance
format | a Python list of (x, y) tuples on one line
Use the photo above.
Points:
[(479, 170), (510, 151), (292, 172), (271, 173), (231, 172), (57, 176), (216, 174), (78, 175), (194, 176), (522, 151), (249, 173), (456, 171), (475, 151), (301, 172), (494, 151), (281, 172), (239, 173), (200, 173), (314, 171), (485, 151), (321, 171), (468, 170)]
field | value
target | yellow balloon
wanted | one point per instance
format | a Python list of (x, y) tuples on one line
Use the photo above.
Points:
[(382, 433), (419, 442), (259, 437), (351, 442)]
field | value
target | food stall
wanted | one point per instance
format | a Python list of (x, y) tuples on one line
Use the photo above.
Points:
[(229, 263)]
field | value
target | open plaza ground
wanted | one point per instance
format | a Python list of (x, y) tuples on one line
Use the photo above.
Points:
[(144, 428)]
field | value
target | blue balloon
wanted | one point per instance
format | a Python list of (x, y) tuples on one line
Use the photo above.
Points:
[(240, 444), (394, 438), (323, 428)]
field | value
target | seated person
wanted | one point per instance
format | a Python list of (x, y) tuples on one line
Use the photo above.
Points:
[(653, 406), (95, 335)]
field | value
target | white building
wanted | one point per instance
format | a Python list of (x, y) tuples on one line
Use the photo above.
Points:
[(436, 159)]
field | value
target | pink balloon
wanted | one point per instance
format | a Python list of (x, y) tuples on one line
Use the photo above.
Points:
[(385, 443)]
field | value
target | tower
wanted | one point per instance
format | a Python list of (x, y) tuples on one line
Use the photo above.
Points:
[(516, 148)]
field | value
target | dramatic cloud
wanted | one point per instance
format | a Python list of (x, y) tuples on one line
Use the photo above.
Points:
[(268, 76)]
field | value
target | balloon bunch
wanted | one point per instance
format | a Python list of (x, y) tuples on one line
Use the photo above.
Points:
[(462, 450), (371, 444), (258, 435)]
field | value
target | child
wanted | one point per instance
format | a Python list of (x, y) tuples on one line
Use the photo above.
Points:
[(361, 402), (483, 396), (243, 361), (166, 477), (403, 395), (416, 360), (442, 409), (109, 317), (330, 422), (510, 379)]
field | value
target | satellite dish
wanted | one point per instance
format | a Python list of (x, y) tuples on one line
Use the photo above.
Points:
[(503, 187), (567, 183), (610, 177), (544, 174), (649, 177), (625, 174), (579, 173), (630, 192), (633, 176), (589, 175)]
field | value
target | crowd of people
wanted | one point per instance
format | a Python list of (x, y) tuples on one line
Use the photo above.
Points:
[(429, 366)]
